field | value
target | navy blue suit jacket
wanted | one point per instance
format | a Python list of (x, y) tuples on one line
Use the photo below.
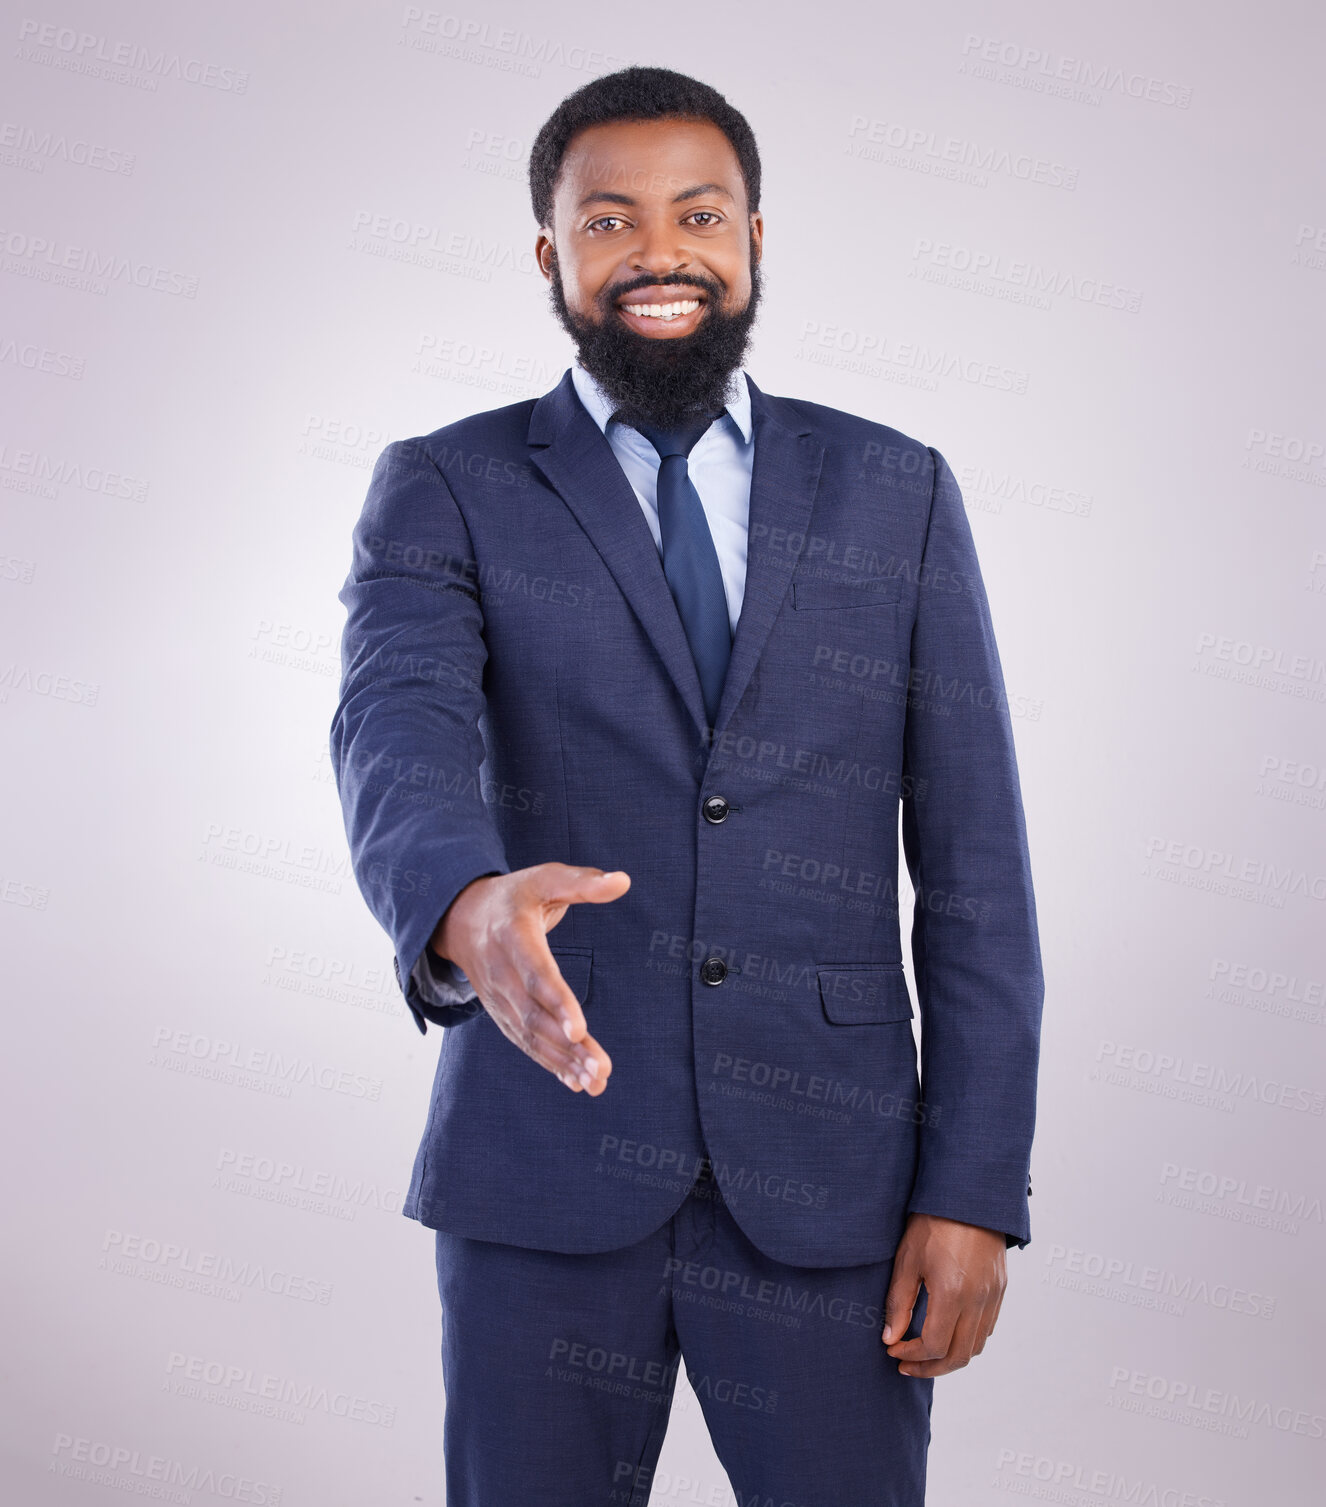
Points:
[(517, 688)]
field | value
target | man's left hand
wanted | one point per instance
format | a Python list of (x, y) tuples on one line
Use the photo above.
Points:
[(962, 1266)]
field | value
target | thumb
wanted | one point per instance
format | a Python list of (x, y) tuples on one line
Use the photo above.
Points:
[(904, 1288), (599, 886), (567, 883)]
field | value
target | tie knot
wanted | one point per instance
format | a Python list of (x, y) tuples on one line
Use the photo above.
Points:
[(678, 441)]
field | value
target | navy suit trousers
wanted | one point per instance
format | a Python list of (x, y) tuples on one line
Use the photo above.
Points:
[(560, 1370)]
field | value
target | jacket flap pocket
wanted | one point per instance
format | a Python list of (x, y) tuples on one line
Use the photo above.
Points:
[(859, 994), (574, 964), (870, 591)]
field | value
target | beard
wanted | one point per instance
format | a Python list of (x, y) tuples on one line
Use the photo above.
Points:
[(661, 383)]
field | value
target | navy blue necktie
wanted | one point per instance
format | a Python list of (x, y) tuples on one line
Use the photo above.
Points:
[(690, 561)]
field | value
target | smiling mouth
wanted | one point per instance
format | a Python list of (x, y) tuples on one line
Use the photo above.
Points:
[(657, 314)]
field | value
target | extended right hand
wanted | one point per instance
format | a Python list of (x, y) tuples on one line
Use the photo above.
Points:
[(496, 930)]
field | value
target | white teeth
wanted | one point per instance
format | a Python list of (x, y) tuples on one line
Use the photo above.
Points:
[(665, 310)]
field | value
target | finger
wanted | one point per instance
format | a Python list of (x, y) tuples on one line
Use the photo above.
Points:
[(538, 1030), (959, 1350), (541, 979), (588, 1073), (543, 982), (942, 1312), (527, 1021), (527, 979), (973, 1329), (604, 1068), (538, 1011), (558, 1056), (992, 1315), (904, 1289)]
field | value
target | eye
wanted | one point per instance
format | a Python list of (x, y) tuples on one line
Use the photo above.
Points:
[(710, 216), (603, 220)]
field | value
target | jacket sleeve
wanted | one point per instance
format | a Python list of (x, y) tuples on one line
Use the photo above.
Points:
[(975, 945), (406, 742)]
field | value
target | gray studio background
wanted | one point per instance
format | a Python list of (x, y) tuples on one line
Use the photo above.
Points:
[(1080, 252)]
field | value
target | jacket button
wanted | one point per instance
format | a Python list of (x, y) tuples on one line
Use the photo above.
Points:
[(715, 809), (713, 970)]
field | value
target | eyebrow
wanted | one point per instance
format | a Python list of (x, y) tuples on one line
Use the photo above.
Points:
[(686, 193)]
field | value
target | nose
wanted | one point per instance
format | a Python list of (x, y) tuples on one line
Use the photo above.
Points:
[(658, 249)]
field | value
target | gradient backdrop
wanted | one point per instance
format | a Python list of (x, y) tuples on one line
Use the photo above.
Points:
[(242, 247)]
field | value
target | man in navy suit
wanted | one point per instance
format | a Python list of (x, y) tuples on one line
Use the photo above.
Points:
[(638, 678)]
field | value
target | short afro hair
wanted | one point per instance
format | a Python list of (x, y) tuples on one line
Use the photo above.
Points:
[(636, 94)]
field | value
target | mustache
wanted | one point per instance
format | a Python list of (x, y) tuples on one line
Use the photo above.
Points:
[(709, 286)]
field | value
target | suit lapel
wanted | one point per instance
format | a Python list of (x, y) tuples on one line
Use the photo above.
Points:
[(784, 478), (572, 452), (570, 449)]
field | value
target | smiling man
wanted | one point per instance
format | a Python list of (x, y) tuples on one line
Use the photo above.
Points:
[(662, 620), (662, 336)]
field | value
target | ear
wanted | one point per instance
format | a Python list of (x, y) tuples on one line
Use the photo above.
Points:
[(543, 252)]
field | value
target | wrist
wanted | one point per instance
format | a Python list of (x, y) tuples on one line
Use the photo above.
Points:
[(448, 934)]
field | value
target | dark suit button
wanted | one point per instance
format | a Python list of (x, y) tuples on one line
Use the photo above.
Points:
[(715, 809), (713, 970)]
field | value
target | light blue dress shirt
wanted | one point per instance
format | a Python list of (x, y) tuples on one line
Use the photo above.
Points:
[(720, 467)]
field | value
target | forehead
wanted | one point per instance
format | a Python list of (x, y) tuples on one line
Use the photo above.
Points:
[(648, 160)]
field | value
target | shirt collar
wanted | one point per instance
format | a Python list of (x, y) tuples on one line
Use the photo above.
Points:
[(601, 407)]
